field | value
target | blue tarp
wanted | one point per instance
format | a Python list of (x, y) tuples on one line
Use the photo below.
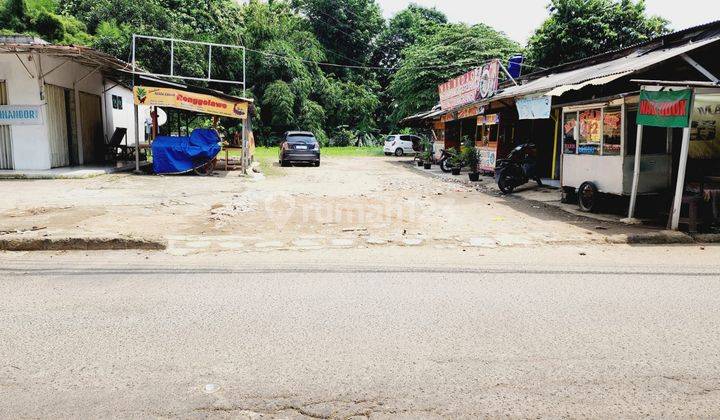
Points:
[(176, 155)]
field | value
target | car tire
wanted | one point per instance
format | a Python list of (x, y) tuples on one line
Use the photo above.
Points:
[(399, 152), (317, 164), (284, 163), (388, 154)]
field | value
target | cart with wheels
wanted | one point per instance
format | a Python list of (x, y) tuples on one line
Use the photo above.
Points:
[(599, 153)]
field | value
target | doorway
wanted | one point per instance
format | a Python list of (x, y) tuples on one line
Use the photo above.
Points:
[(6, 157)]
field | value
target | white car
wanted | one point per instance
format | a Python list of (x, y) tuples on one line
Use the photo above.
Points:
[(402, 144)]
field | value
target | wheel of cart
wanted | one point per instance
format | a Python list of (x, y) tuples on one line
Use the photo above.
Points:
[(206, 169), (588, 197)]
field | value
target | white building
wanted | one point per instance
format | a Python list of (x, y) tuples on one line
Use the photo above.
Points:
[(56, 104)]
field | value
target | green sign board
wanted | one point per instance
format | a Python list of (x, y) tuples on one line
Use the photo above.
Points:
[(665, 108)]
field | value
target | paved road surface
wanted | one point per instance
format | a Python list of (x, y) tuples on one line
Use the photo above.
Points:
[(84, 337)]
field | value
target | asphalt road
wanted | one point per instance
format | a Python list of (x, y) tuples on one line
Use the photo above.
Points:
[(81, 338)]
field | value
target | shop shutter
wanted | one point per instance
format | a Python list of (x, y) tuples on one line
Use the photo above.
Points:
[(6, 158), (57, 126)]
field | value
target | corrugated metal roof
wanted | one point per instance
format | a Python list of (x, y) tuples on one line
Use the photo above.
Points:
[(636, 58), (629, 64)]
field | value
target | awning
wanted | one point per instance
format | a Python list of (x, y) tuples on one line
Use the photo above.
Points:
[(560, 90)]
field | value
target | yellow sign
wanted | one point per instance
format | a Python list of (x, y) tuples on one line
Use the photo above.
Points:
[(197, 102)]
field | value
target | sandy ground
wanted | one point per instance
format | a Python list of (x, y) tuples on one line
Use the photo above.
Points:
[(347, 202)]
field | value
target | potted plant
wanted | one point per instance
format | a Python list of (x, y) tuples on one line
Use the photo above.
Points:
[(454, 161), (472, 160), (427, 159), (425, 156)]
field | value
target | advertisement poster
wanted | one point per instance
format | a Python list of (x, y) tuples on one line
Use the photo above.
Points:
[(190, 101), (589, 121), (472, 86), (665, 108), (20, 115), (705, 127), (488, 158), (534, 108)]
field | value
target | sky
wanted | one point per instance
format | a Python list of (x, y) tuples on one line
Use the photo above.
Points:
[(519, 18)]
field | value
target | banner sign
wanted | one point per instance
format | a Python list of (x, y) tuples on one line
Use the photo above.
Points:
[(470, 112), (488, 158), (477, 84), (197, 102), (490, 119), (665, 108), (534, 108), (20, 115)]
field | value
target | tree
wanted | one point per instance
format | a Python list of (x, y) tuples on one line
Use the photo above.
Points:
[(345, 28), (449, 51), (578, 29), (403, 30), (42, 18)]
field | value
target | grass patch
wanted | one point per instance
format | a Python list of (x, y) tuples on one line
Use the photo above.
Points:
[(268, 156)]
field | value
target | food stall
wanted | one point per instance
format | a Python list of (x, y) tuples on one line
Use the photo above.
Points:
[(598, 152)]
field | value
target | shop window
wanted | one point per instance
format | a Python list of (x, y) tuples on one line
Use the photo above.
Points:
[(589, 122), (117, 102), (612, 129), (569, 124)]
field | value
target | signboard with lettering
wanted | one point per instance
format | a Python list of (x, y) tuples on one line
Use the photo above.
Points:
[(20, 115), (668, 108), (490, 119), (197, 102), (477, 84)]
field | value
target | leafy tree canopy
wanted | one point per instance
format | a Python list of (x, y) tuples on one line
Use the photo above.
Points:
[(449, 51), (578, 29)]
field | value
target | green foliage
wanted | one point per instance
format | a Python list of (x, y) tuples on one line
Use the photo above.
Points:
[(346, 29), (455, 158), (403, 30), (42, 18), (470, 155), (578, 29), (450, 50), (291, 43)]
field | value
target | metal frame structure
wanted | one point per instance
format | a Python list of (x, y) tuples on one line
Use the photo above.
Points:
[(136, 71), (173, 41)]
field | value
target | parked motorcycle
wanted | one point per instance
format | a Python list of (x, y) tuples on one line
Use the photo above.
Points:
[(518, 169), (445, 160)]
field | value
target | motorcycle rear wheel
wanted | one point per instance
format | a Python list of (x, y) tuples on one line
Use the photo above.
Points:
[(506, 184), (444, 166)]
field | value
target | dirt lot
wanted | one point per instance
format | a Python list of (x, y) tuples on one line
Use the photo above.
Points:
[(347, 202)]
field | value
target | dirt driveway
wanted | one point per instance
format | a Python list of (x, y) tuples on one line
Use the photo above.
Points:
[(347, 202)]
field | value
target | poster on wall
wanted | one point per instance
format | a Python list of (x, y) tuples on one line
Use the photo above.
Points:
[(190, 101), (667, 108), (534, 108), (488, 158), (20, 115), (705, 127), (590, 123)]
